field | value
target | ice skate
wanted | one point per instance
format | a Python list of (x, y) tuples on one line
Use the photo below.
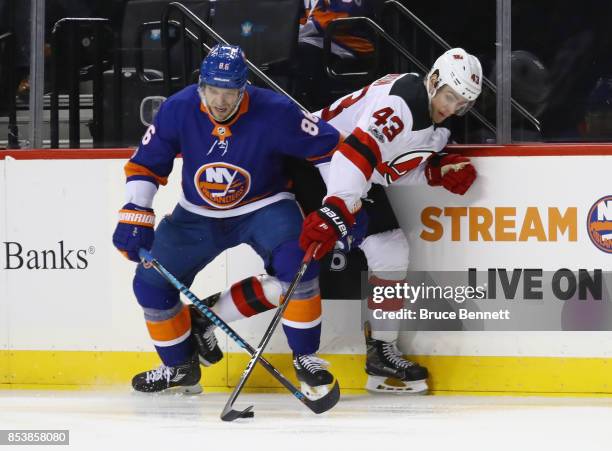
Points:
[(203, 331), (176, 379), (312, 373), (389, 372)]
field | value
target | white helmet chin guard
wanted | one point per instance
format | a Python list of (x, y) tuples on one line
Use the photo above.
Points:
[(459, 70)]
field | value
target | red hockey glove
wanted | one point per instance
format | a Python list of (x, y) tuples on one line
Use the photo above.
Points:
[(452, 171), (326, 225)]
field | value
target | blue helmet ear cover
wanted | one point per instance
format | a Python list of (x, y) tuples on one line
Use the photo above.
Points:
[(224, 67)]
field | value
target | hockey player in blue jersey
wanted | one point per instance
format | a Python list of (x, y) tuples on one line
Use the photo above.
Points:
[(233, 139)]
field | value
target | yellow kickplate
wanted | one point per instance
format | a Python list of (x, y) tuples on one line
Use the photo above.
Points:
[(448, 374), (87, 367)]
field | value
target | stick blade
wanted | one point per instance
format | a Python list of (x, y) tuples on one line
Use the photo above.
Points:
[(326, 402), (232, 414)]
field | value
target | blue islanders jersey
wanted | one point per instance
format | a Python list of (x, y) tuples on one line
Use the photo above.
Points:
[(229, 168)]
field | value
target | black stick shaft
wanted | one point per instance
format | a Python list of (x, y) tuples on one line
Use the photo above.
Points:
[(205, 310)]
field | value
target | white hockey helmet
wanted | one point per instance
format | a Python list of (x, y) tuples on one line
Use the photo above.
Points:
[(459, 70)]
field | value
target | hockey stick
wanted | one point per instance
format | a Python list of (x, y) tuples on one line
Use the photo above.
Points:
[(317, 406), (229, 414)]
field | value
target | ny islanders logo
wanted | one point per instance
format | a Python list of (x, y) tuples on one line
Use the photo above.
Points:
[(599, 224), (222, 185)]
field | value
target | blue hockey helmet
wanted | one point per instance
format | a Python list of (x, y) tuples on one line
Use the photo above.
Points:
[(224, 67)]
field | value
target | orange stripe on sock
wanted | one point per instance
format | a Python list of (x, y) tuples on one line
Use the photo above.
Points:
[(304, 310), (172, 328)]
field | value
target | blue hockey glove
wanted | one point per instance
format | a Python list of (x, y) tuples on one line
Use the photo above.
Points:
[(135, 230)]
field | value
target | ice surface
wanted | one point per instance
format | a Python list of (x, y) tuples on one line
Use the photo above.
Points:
[(120, 420)]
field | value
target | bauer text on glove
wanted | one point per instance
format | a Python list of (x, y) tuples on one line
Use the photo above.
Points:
[(326, 225)]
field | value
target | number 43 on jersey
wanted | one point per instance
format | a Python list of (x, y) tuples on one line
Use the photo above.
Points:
[(391, 124)]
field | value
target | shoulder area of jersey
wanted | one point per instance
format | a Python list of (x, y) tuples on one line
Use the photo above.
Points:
[(268, 99), (408, 86), (392, 78), (408, 79)]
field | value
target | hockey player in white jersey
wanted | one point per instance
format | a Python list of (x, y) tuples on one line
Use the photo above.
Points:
[(392, 136)]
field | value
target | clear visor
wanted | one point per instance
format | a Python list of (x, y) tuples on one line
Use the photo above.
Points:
[(465, 108), (454, 102)]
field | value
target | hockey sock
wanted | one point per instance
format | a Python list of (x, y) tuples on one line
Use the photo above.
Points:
[(384, 329), (302, 318), (170, 331), (248, 297), (253, 295)]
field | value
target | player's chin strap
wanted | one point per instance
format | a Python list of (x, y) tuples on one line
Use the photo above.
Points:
[(317, 406)]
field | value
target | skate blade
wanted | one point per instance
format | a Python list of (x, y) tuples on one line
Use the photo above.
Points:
[(383, 384), (207, 363), (189, 389), (181, 390), (314, 393)]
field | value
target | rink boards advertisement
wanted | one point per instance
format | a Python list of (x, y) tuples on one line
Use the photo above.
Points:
[(68, 315)]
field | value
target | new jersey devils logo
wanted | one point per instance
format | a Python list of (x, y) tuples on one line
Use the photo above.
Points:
[(402, 165), (222, 185)]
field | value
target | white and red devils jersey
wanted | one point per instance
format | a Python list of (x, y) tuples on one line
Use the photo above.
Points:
[(389, 135)]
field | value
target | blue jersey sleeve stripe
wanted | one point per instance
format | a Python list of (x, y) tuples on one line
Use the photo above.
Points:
[(135, 169)]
